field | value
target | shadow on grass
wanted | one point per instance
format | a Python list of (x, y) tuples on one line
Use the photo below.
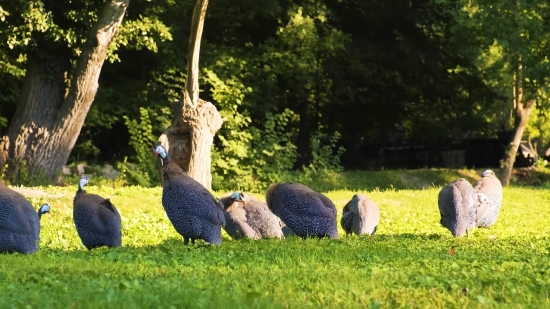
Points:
[(418, 179), (391, 179), (388, 248)]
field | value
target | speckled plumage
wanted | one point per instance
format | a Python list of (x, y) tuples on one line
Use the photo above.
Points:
[(287, 232), (19, 223), (97, 221), (192, 209), (458, 204), (360, 216), (306, 212), (250, 218), (489, 185)]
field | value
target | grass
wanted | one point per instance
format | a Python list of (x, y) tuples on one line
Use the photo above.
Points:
[(406, 264)]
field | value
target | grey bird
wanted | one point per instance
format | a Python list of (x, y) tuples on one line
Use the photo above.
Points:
[(96, 219), (247, 217), (19, 222), (306, 212), (489, 185), (193, 210), (458, 203), (360, 216)]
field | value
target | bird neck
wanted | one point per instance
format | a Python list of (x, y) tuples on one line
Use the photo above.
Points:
[(170, 168), (41, 212), (80, 189), (241, 202)]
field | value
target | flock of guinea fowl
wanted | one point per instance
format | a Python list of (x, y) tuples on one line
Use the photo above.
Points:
[(290, 209)]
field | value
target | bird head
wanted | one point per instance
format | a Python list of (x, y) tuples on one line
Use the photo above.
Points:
[(481, 199), (82, 182), (159, 151), (238, 196), (488, 173), (44, 209)]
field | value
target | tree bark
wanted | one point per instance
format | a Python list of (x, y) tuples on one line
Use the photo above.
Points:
[(189, 138), (189, 141), (48, 121), (191, 93), (521, 117)]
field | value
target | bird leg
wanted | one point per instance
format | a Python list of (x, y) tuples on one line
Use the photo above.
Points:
[(185, 240), (193, 241)]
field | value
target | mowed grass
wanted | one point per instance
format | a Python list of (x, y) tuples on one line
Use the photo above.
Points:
[(406, 264)]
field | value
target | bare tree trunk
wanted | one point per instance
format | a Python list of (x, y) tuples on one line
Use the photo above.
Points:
[(521, 117), (47, 123), (191, 92), (41, 97), (189, 138)]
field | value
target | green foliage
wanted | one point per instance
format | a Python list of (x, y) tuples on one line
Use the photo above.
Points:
[(324, 156), (538, 129), (406, 264), (434, 69), (257, 145), (541, 162), (251, 162), (143, 33), (145, 170), (499, 37), (274, 153), (28, 179), (251, 157)]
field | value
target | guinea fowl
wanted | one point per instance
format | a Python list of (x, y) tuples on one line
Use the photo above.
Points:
[(360, 216), (96, 219), (19, 222), (306, 212), (458, 203), (191, 208), (489, 185), (247, 217)]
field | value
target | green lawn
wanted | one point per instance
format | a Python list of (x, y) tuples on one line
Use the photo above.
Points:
[(406, 264)]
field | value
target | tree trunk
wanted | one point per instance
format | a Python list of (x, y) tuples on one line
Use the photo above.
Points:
[(31, 127), (47, 123), (189, 138), (521, 117), (189, 141), (191, 92)]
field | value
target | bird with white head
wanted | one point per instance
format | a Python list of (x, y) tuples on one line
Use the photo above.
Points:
[(489, 185)]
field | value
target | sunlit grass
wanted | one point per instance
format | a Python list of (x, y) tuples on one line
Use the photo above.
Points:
[(406, 264)]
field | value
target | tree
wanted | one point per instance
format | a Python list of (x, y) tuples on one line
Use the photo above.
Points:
[(49, 117), (509, 42), (189, 138)]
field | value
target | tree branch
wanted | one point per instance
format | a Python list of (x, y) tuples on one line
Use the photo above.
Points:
[(191, 91)]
